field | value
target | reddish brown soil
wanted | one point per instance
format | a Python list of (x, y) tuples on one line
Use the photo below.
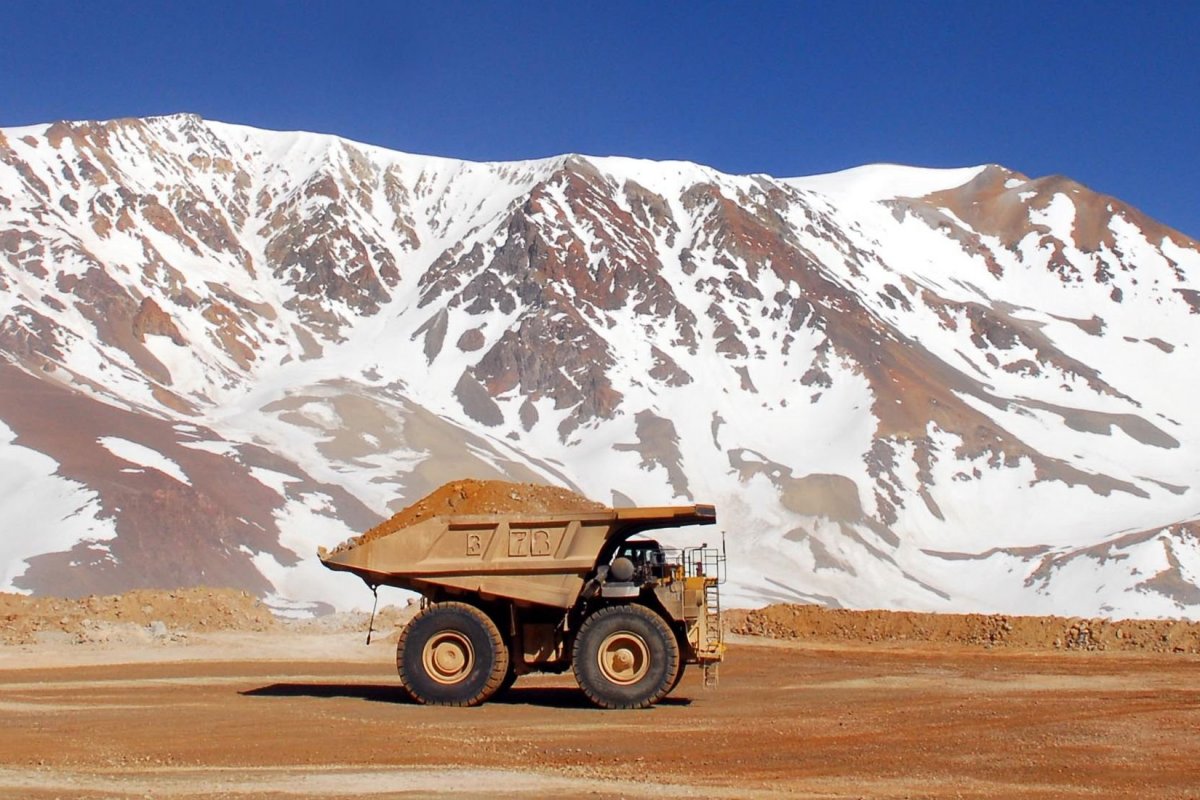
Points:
[(817, 624), (818, 704), (788, 720), (829, 704), (25, 619), (480, 497)]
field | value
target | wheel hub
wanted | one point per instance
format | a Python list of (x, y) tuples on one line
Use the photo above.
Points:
[(448, 657), (624, 657)]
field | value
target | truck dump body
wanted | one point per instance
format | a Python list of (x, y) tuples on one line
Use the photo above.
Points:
[(541, 558)]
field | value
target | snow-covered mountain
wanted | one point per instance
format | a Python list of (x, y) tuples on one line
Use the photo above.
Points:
[(932, 389)]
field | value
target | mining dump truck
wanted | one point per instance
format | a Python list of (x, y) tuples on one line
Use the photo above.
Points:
[(506, 595)]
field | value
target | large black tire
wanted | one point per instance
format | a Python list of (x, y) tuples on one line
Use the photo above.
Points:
[(451, 654), (508, 681), (625, 657), (678, 677), (682, 643)]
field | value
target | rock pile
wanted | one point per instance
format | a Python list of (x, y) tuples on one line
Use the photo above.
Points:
[(468, 497), (156, 613), (818, 624)]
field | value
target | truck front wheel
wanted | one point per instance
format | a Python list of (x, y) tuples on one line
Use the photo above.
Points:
[(451, 654), (625, 657)]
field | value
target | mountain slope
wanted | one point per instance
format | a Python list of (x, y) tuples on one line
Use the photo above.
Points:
[(949, 390)]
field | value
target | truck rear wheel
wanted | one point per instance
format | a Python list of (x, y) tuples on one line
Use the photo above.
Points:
[(625, 657), (508, 681), (451, 654)]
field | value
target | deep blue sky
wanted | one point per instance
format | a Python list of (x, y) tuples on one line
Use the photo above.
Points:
[(1104, 92)]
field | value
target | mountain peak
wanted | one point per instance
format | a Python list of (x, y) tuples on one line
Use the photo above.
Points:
[(887, 181)]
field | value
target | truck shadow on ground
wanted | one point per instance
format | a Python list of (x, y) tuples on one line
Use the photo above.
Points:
[(547, 696), (560, 697)]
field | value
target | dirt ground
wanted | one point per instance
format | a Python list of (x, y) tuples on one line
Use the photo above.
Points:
[(308, 710)]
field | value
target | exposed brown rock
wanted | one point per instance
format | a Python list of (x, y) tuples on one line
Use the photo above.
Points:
[(471, 340), (1191, 297), (208, 225), (666, 370), (434, 331), (125, 221), (249, 308), (32, 182), (652, 211), (1172, 582), (25, 251), (111, 310), (658, 445), (476, 401), (32, 338), (150, 319), (228, 332), (401, 203), (161, 218), (325, 258), (991, 207), (102, 226)]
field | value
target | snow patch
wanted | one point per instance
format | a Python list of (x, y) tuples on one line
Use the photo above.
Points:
[(51, 513), (885, 181), (136, 453)]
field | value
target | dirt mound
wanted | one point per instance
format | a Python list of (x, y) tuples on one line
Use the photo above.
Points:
[(388, 620), (480, 497), (987, 630), (158, 613)]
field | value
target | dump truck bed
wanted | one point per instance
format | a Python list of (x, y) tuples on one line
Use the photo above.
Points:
[(529, 558)]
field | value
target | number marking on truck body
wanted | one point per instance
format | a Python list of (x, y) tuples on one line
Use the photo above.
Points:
[(522, 543)]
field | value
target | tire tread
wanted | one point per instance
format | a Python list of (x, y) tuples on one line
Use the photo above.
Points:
[(499, 649)]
